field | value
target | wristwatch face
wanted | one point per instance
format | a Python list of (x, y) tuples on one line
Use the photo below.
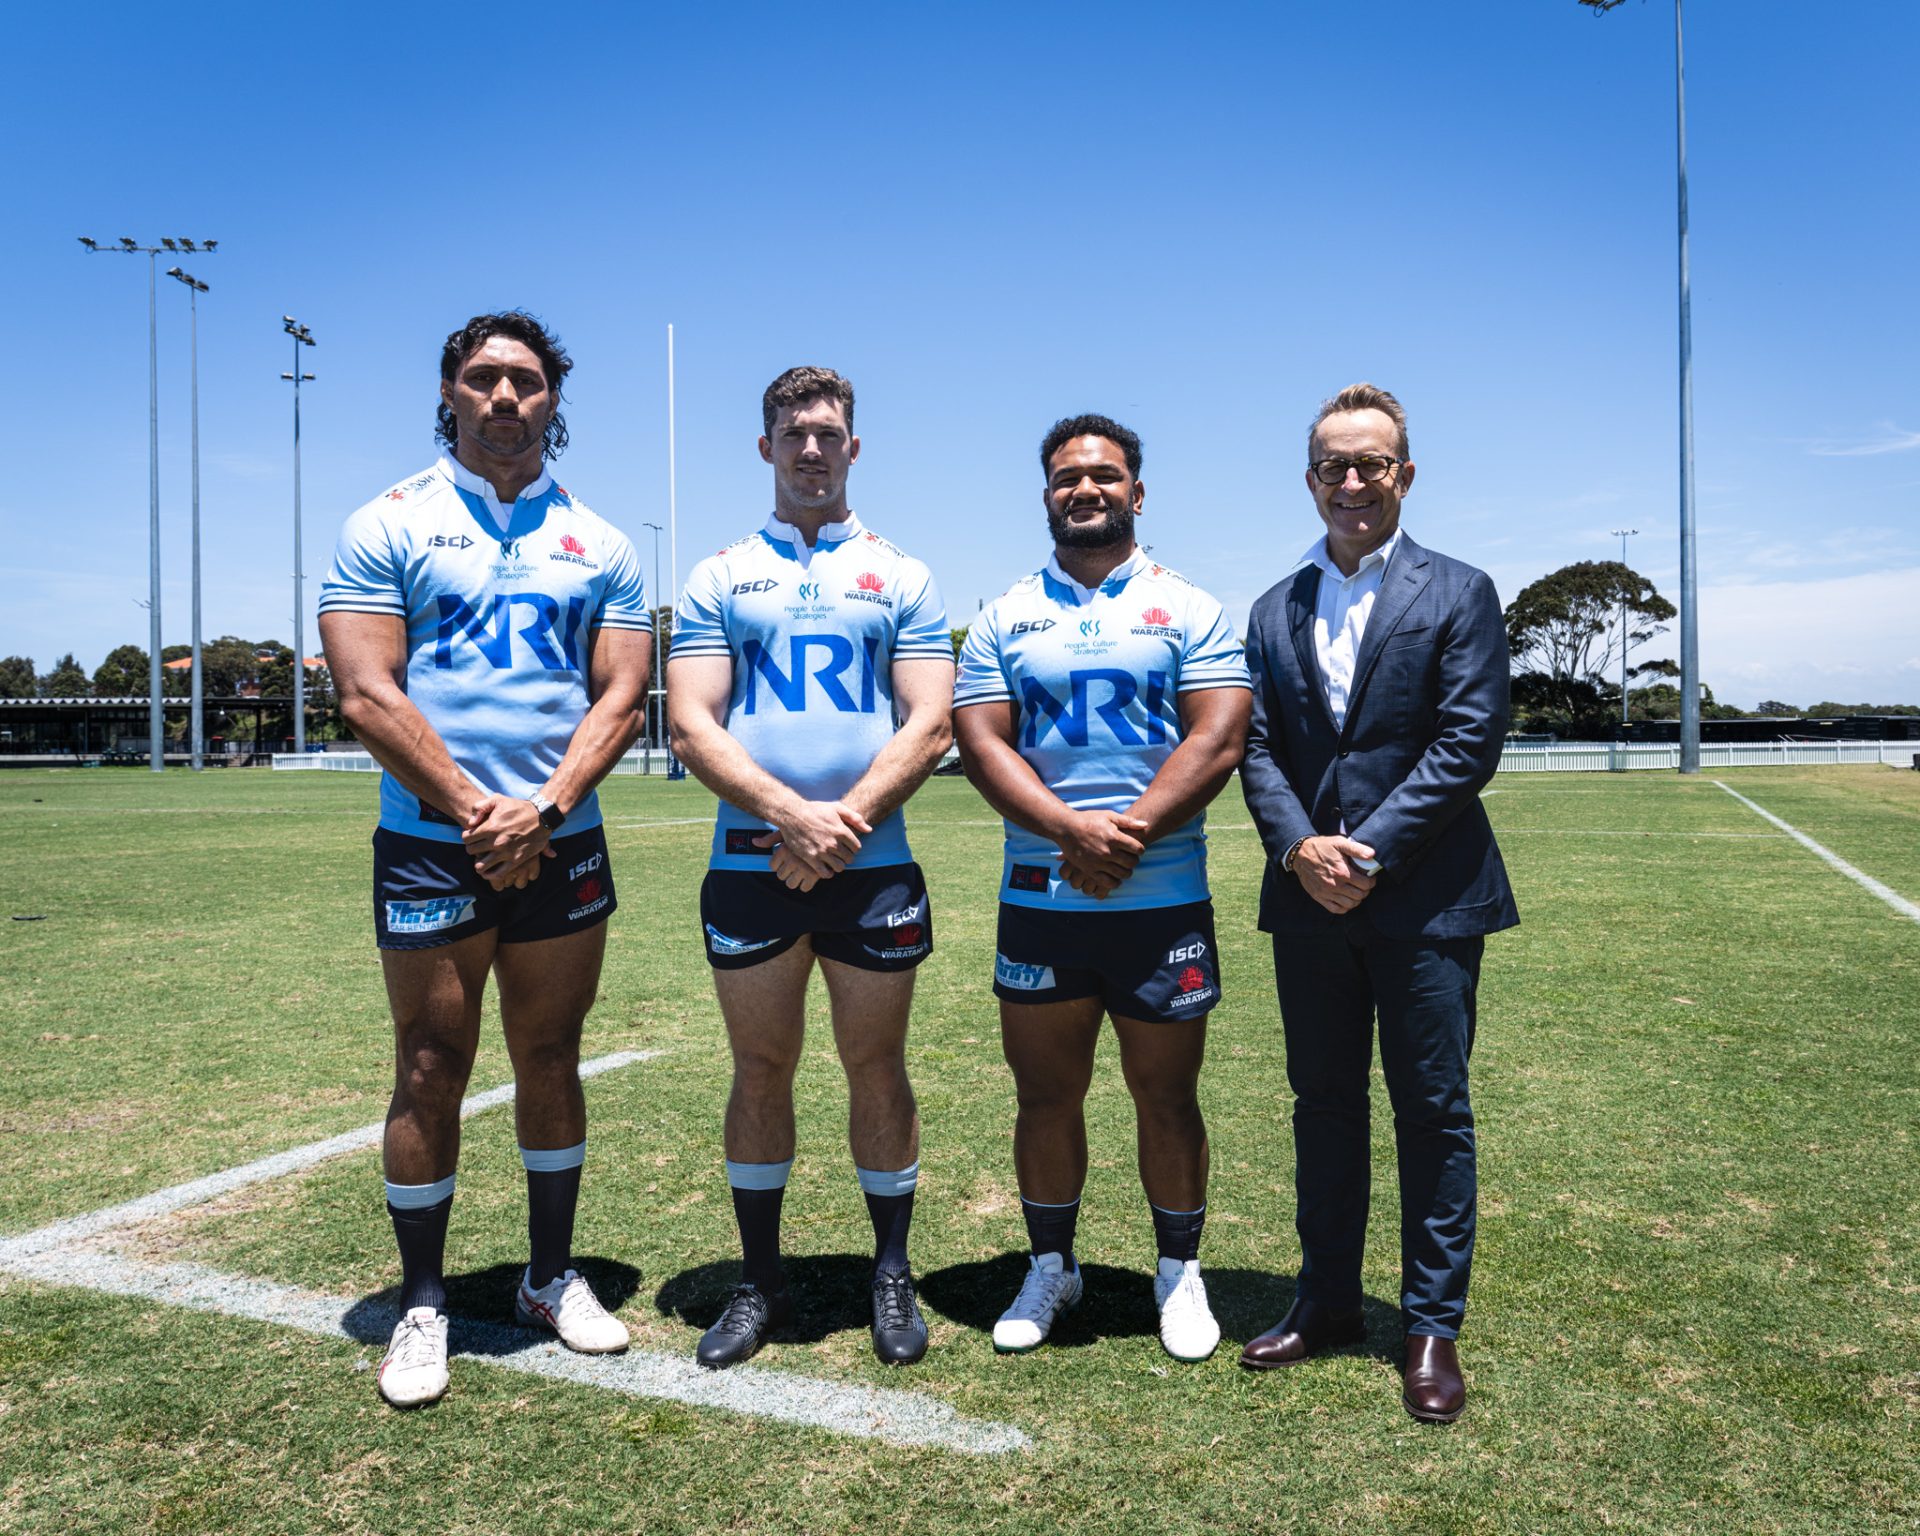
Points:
[(551, 816)]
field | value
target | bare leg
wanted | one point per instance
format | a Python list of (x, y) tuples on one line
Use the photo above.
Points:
[(1161, 1063), (870, 1010), (1050, 1048), (546, 990), (435, 997), (765, 1010)]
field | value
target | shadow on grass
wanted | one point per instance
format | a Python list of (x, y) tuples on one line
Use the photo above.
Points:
[(485, 1296), (831, 1293), (1118, 1303)]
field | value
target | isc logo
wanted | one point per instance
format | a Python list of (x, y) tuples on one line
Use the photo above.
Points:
[(765, 584), (1191, 951), (491, 629), (831, 657), (1032, 626), (586, 867), (1073, 716)]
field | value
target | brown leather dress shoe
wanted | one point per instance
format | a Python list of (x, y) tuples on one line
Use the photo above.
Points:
[(1307, 1329), (1434, 1392)]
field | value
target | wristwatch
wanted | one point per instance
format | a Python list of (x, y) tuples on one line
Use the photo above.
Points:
[(551, 816)]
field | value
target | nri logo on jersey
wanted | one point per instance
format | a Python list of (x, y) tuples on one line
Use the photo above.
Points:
[(824, 660), (533, 617), (1106, 694)]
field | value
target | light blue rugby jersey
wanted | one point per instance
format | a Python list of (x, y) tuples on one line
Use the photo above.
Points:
[(1097, 676), (497, 623), (813, 635)]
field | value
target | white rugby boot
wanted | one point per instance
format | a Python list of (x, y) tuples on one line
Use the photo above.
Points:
[(415, 1369), (1187, 1328), (1049, 1289), (567, 1305)]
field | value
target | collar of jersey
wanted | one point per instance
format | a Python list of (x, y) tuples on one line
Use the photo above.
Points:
[(1114, 580), (830, 533), (1321, 556), (479, 486)]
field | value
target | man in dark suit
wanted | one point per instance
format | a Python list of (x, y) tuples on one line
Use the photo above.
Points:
[(1379, 708)]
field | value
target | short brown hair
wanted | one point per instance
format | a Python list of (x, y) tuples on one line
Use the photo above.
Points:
[(1364, 397), (799, 385)]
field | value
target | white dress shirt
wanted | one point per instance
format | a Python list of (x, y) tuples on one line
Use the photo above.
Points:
[(1340, 618)]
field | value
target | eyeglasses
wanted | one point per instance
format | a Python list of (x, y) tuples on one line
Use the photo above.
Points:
[(1371, 467)]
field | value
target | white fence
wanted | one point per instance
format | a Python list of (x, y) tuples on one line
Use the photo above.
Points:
[(1554, 757), (1619, 757)]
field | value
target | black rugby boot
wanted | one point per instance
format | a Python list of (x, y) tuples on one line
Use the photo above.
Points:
[(743, 1325), (899, 1331)]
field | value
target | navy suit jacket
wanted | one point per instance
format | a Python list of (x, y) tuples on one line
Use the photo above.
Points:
[(1426, 719)]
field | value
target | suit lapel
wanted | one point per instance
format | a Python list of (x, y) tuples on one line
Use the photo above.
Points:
[(1406, 578), (1303, 598)]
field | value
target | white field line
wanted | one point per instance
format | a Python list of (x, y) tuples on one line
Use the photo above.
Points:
[(900, 1418), (678, 821), (1886, 893), (1665, 837), (164, 1202), (54, 1254)]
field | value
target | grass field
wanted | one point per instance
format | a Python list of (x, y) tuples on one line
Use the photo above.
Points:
[(1696, 1306)]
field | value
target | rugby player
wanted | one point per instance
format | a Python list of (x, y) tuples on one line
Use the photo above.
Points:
[(489, 638), (1102, 703), (795, 651)]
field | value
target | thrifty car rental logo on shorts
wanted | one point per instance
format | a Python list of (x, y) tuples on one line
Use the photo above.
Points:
[(428, 916), (725, 945), (1022, 977)]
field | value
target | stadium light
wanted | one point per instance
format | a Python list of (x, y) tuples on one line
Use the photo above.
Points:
[(156, 723), (1689, 569), (659, 674), (196, 717), (301, 337)]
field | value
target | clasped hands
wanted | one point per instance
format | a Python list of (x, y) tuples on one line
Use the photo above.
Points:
[(1327, 871), (507, 841), (1100, 849), (813, 842)]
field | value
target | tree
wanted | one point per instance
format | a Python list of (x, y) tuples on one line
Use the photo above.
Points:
[(1566, 626), (959, 638), (230, 663), (122, 675), (175, 683), (1774, 707), (18, 680), (1601, 7), (67, 680)]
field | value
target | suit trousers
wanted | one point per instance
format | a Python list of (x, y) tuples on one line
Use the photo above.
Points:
[(1333, 983)]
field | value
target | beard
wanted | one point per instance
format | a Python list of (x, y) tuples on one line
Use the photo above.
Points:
[(1115, 528), (506, 436)]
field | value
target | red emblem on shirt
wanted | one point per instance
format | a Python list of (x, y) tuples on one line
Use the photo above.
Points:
[(1156, 616), (572, 545), (869, 582)]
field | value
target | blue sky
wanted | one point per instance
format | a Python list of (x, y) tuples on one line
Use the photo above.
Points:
[(1201, 220)]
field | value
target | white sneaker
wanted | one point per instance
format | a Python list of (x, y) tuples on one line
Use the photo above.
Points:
[(1049, 1289), (567, 1305), (1187, 1328), (415, 1369)]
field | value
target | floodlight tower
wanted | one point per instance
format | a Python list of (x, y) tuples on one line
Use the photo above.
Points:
[(302, 337), (194, 289), (128, 246), (659, 676)]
